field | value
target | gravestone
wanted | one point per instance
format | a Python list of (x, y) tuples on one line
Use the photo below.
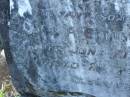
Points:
[(69, 48)]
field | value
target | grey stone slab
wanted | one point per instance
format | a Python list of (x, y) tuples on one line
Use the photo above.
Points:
[(70, 45)]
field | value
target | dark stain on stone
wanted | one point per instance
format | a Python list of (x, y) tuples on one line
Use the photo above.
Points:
[(85, 1), (99, 69), (29, 95), (32, 71), (88, 33), (31, 89), (120, 54), (92, 51), (1, 43), (56, 35)]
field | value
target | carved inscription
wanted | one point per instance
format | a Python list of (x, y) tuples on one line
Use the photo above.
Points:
[(67, 65), (115, 18)]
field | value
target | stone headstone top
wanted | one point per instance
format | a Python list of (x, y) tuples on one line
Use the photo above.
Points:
[(75, 46)]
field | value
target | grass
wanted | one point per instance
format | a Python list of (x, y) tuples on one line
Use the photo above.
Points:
[(2, 94), (6, 87)]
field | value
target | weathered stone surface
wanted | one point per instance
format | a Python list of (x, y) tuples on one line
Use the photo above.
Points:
[(71, 46)]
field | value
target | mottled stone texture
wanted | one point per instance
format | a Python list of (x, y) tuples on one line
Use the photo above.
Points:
[(70, 48)]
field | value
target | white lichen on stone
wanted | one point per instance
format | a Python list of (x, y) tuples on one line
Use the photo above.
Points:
[(128, 9), (11, 5), (117, 6), (24, 7), (128, 43), (72, 39), (8, 23), (69, 8)]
